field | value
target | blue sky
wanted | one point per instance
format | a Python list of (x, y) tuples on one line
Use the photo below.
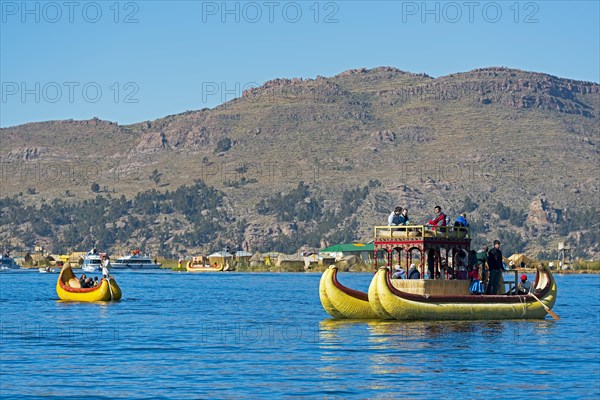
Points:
[(132, 61)]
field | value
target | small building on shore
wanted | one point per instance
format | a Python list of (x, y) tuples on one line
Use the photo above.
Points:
[(339, 251), (242, 257), (220, 257)]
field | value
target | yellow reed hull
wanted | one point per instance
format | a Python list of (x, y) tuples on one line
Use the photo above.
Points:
[(327, 305), (374, 302), (99, 293), (340, 304), (405, 309)]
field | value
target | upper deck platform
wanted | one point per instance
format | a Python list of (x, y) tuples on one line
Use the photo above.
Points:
[(415, 234)]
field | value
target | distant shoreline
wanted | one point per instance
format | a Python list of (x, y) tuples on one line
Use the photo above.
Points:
[(564, 272)]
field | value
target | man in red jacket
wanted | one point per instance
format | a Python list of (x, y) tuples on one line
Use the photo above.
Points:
[(440, 219)]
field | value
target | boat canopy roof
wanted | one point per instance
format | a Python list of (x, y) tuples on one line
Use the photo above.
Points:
[(348, 247)]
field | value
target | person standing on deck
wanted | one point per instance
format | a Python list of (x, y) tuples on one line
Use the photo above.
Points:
[(105, 267), (495, 266), (482, 257)]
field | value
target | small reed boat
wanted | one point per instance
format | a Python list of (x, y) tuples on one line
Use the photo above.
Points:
[(68, 288), (193, 267)]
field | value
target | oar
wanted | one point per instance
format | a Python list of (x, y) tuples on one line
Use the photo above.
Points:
[(549, 311)]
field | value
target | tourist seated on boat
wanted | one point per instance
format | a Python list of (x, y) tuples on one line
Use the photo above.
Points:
[(395, 218), (447, 270), (399, 273), (524, 286), (96, 281), (440, 217), (413, 272), (461, 221), (405, 217), (89, 282), (462, 273), (82, 279)]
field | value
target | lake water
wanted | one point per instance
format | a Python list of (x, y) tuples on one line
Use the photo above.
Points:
[(233, 335)]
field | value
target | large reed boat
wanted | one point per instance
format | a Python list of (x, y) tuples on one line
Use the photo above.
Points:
[(440, 249)]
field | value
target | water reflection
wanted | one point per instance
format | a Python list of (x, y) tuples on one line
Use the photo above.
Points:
[(413, 348)]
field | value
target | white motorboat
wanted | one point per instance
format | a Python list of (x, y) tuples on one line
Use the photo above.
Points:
[(7, 262), (92, 262), (135, 260)]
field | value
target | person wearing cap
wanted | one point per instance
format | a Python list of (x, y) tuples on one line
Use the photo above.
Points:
[(399, 273), (524, 287), (495, 268), (413, 272)]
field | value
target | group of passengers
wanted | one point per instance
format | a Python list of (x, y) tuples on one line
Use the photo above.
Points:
[(88, 282), (484, 267), (400, 273), (399, 217), (487, 272)]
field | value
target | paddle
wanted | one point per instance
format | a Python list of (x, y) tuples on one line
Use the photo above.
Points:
[(112, 297), (549, 311)]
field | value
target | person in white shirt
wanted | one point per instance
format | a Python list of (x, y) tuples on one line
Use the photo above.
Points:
[(105, 267)]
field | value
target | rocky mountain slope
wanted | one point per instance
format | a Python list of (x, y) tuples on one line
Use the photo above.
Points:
[(483, 141)]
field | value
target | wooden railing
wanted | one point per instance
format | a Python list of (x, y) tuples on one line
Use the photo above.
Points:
[(421, 231)]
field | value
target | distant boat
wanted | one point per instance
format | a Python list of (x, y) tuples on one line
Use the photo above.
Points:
[(135, 261), (7, 263), (47, 270), (92, 262), (200, 264)]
